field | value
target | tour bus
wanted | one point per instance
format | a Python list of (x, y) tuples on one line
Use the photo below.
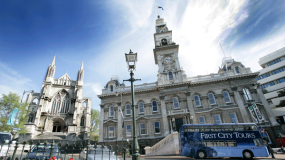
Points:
[(222, 140), (5, 138)]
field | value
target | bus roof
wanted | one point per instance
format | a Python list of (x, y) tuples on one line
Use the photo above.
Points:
[(221, 124), (5, 133)]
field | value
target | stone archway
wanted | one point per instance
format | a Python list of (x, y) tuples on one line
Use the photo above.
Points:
[(56, 125)]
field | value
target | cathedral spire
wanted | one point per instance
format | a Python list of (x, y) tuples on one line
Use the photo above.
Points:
[(53, 61), (81, 68)]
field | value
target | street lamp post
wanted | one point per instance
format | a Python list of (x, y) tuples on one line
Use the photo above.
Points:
[(131, 59), (20, 107)]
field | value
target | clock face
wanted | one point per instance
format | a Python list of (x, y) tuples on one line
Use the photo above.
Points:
[(168, 60)]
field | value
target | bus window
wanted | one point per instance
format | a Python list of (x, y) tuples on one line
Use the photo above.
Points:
[(258, 142), (204, 128), (227, 128), (231, 143), (216, 128), (239, 128), (219, 143), (207, 143), (250, 128), (192, 129)]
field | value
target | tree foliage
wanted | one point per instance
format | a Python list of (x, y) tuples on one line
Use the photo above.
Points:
[(94, 126), (7, 104)]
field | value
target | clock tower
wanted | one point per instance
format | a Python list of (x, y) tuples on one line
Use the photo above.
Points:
[(166, 55)]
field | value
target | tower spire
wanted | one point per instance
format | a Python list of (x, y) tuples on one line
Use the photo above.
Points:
[(81, 68), (53, 61)]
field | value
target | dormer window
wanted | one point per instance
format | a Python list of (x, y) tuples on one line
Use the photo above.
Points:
[(111, 88), (164, 41), (237, 70)]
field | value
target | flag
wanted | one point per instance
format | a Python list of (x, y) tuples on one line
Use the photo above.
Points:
[(159, 7), (123, 119), (251, 110), (12, 117)]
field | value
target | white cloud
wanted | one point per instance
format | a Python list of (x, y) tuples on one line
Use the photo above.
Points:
[(12, 81)]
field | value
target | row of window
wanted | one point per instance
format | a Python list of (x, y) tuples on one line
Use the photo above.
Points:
[(281, 80), (129, 130), (263, 76), (227, 143), (176, 102), (267, 85), (273, 72), (218, 120), (274, 62)]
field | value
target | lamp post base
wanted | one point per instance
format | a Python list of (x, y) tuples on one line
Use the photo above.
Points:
[(136, 156)]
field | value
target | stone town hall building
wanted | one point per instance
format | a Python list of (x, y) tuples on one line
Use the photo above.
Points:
[(175, 99), (59, 111)]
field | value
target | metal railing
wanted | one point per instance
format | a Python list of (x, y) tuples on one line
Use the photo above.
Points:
[(60, 150)]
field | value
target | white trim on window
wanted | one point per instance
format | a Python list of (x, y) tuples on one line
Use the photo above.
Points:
[(156, 127), (211, 98), (111, 132), (111, 111), (217, 119), (175, 103), (128, 130), (227, 97), (154, 106), (142, 128), (128, 109), (197, 101), (141, 107), (234, 117), (202, 120)]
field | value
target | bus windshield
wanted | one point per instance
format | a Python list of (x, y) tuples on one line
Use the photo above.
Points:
[(222, 140), (4, 137)]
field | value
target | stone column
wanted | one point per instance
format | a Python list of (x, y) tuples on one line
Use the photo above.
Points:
[(160, 66), (164, 115), (120, 123), (241, 106), (191, 107), (266, 107), (170, 122), (177, 61), (101, 128)]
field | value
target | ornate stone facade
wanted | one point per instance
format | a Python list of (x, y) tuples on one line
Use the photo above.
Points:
[(59, 111), (175, 99)]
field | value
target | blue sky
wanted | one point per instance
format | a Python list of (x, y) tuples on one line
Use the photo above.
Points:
[(100, 32)]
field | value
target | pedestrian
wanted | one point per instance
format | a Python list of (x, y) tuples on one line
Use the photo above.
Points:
[(282, 148), (270, 150)]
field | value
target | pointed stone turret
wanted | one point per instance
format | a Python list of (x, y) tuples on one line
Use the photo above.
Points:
[(80, 75), (51, 71)]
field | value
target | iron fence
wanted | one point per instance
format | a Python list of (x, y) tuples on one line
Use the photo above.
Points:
[(61, 150)]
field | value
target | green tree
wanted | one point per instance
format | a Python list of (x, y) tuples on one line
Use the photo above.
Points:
[(7, 104), (94, 126)]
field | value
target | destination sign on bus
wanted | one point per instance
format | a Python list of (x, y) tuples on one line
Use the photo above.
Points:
[(222, 135)]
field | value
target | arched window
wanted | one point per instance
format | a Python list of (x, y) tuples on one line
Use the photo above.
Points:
[(82, 122), (60, 103), (141, 107), (31, 118), (154, 106), (170, 74), (111, 88), (197, 100), (128, 109), (226, 96), (247, 94), (175, 102), (211, 98), (35, 101), (111, 111), (164, 41)]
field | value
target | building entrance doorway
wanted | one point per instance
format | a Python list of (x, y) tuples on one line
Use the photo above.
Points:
[(178, 124), (56, 128)]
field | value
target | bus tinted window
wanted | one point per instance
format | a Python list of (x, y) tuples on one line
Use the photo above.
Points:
[(250, 128), (208, 143), (216, 128), (239, 128), (231, 143), (204, 128), (219, 143), (191, 129), (258, 142), (227, 128)]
